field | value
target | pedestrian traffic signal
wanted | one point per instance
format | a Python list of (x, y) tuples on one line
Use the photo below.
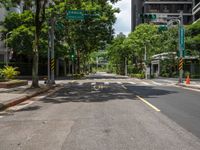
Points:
[(148, 16)]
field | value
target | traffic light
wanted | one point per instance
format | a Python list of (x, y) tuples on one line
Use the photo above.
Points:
[(148, 16)]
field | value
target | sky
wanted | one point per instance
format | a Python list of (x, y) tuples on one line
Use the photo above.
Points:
[(123, 23)]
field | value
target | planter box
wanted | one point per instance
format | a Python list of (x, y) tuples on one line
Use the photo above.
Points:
[(13, 83)]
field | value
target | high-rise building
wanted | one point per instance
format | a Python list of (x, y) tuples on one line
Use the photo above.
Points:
[(196, 10), (162, 9)]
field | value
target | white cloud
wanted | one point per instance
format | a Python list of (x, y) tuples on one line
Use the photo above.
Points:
[(123, 23)]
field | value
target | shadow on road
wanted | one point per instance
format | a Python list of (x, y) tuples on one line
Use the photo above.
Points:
[(87, 93)]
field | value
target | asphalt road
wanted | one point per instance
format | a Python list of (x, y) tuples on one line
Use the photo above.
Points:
[(180, 105), (103, 112)]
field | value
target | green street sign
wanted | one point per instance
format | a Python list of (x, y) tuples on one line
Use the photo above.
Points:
[(75, 14), (182, 40)]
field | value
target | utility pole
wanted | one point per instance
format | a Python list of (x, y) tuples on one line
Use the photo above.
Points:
[(145, 60), (51, 55), (126, 69)]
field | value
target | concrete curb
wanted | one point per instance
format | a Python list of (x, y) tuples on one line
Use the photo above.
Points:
[(188, 86), (18, 100)]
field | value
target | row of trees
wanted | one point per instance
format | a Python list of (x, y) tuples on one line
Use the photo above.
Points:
[(30, 29), (155, 41)]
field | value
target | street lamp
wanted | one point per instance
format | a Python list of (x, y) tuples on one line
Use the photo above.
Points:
[(6, 60)]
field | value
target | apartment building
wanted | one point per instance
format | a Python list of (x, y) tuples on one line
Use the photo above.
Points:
[(2, 47), (163, 9), (3, 13), (196, 10)]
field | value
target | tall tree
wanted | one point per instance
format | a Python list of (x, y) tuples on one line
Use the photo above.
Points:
[(39, 20)]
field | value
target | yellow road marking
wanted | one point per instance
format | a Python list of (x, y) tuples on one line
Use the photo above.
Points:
[(149, 104)]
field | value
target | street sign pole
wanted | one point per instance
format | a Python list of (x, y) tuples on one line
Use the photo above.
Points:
[(181, 47), (52, 35)]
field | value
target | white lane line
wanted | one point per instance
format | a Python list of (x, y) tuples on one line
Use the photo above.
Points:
[(1, 117), (124, 87), (145, 83), (156, 83), (149, 104), (119, 83), (131, 82)]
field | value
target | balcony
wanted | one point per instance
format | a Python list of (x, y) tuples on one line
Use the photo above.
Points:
[(196, 9), (168, 2)]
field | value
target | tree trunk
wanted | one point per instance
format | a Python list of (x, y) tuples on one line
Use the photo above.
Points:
[(35, 77)]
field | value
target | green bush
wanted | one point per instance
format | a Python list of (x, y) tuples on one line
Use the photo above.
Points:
[(9, 72), (138, 75), (1, 75)]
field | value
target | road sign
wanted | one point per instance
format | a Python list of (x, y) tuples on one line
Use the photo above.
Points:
[(182, 40), (75, 14)]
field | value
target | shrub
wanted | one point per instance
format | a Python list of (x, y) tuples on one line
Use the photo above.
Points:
[(1, 75), (138, 75), (9, 72)]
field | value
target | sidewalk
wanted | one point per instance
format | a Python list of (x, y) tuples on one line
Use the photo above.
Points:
[(14, 96)]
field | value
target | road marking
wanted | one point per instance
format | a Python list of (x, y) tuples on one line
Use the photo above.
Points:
[(80, 84), (119, 83), (124, 87), (106, 83), (1, 117), (136, 79), (145, 83), (94, 83), (156, 83), (149, 104), (131, 82)]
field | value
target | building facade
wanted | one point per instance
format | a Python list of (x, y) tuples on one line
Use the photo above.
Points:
[(3, 13), (196, 10), (162, 9)]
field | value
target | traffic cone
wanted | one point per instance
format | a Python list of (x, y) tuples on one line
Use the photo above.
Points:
[(188, 80)]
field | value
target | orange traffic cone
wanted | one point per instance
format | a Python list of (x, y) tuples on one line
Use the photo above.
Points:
[(187, 81)]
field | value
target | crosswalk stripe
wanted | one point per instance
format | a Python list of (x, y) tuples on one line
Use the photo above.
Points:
[(106, 83), (156, 83), (132, 83), (145, 83), (80, 83), (94, 83)]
